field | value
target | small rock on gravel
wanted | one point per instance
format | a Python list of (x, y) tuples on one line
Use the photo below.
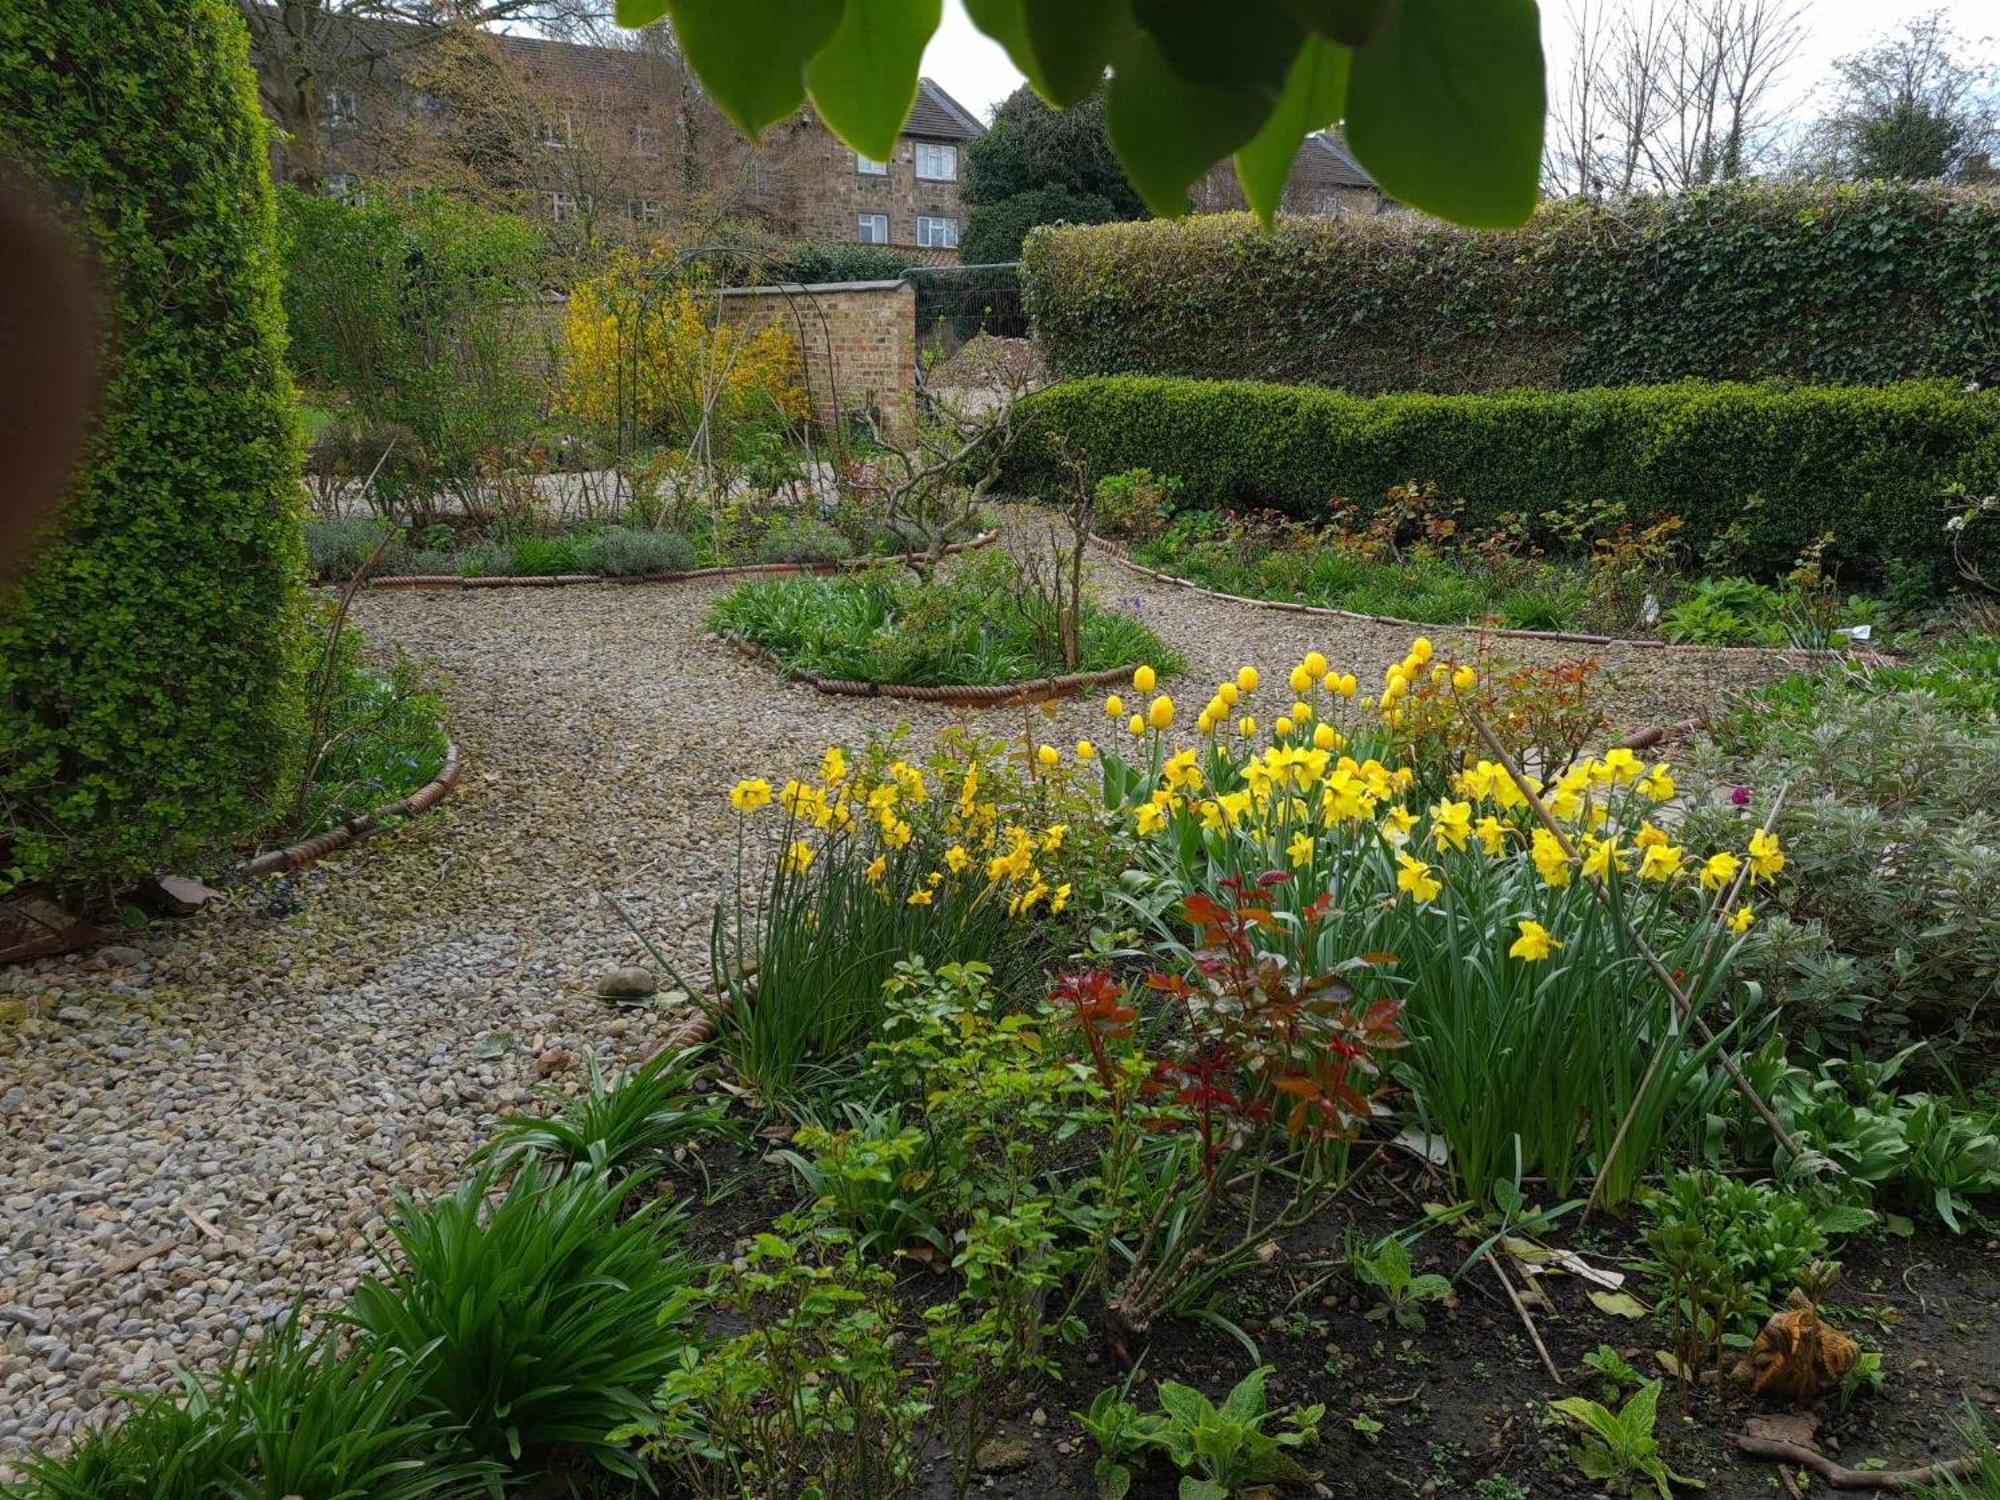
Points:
[(628, 983)]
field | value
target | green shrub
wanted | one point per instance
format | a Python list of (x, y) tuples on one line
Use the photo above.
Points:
[(1763, 470), (637, 551), (545, 556), (540, 1319), (379, 736), (802, 539), (337, 547), (1860, 284), (649, 1113), (151, 662)]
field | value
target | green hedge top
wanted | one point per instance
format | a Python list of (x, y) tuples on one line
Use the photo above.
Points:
[(1782, 463), (1859, 285), (151, 664)]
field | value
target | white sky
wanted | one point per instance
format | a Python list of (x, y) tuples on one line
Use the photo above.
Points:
[(976, 72)]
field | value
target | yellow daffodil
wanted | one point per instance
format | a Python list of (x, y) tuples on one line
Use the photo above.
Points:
[(897, 834), (1491, 834), (798, 858), (1150, 817), (1534, 944), (878, 867), (1658, 784), (1414, 877), (749, 795), (1145, 679), (1601, 857), (1059, 899), (1661, 862), (1648, 836), (1719, 870), (1551, 863), (920, 898), (1300, 850), (1620, 766), (1741, 918), (1451, 823), (956, 858), (1048, 755), (1396, 825), (833, 766), (1053, 836), (1766, 858), (1181, 772)]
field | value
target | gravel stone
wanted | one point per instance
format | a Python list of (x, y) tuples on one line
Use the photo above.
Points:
[(300, 1050)]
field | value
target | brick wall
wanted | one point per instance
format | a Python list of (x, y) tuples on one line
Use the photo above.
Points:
[(859, 339)]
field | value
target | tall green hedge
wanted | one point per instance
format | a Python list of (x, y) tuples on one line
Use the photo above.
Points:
[(1786, 462), (1859, 285), (150, 664)]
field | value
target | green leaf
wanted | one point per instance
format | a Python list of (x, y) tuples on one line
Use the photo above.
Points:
[(751, 55), (1246, 44), (1445, 108), (1202, 1489), (637, 13), (1063, 46), (1352, 22), (1245, 1403), (1314, 97), (864, 80), (1169, 132)]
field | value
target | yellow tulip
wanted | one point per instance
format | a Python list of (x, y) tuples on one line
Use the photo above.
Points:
[(1114, 706), (1160, 712), (1246, 679), (1145, 679)]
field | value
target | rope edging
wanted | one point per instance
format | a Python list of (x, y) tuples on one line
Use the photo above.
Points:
[(309, 851), (1002, 695)]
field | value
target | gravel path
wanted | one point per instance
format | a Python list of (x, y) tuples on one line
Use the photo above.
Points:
[(240, 1093)]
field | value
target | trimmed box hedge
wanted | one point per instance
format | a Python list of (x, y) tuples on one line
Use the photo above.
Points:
[(151, 663), (1864, 284), (1788, 462)]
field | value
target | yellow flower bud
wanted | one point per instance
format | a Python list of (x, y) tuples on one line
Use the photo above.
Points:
[(1085, 750), (1228, 694), (1315, 664), (1247, 727), (1246, 679), (1325, 737), (1135, 725), (1160, 713), (1465, 679), (1114, 706), (1048, 755), (1301, 682), (1145, 679), (1283, 727), (1302, 713)]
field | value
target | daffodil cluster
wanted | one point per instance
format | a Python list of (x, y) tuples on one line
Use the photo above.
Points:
[(962, 826), (1317, 796)]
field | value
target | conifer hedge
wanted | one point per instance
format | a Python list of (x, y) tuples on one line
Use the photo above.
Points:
[(151, 661)]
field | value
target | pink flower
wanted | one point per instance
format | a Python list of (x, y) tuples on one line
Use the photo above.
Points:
[(1739, 796)]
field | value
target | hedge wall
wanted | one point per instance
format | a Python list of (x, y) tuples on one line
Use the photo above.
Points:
[(1872, 465), (150, 664), (1858, 285)]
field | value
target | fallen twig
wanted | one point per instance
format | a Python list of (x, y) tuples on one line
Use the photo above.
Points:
[(1527, 1319), (132, 1260), (1839, 1476)]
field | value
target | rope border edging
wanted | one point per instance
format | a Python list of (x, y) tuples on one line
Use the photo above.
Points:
[(450, 581), (310, 851), (1003, 695)]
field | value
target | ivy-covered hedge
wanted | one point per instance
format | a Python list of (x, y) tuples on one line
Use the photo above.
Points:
[(151, 662), (1857, 285), (1786, 463)]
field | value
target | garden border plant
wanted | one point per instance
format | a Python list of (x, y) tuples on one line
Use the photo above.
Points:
[(1116, 551), (1001, 695)]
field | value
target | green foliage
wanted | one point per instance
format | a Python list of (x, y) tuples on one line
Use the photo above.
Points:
[(812, 261), (151, 661), (295, 1418), (1385, 1266), (1747, 281), (1134, 502), (378, 736), (642, 1120), (636, 552), (542, 1319), (1862, 950), (1220, 1450), (1444, 101), (1035, 165), (1983, 1482), (873, 1178), (976, 624), (1619, 1377), (1618, 1449), (1769, 469), (415, 309)]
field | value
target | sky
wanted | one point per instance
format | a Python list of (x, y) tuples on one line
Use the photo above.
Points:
[(976, 72)]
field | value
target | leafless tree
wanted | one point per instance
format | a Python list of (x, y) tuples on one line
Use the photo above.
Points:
[(1670, 93)]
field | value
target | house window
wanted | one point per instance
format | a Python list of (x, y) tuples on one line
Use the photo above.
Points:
[(868, 168), (339, 185), (566, 206), (937, 234), (553, 130), (650, 211), (874, 229), (937, 163), (339, 108), (643, 141)]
